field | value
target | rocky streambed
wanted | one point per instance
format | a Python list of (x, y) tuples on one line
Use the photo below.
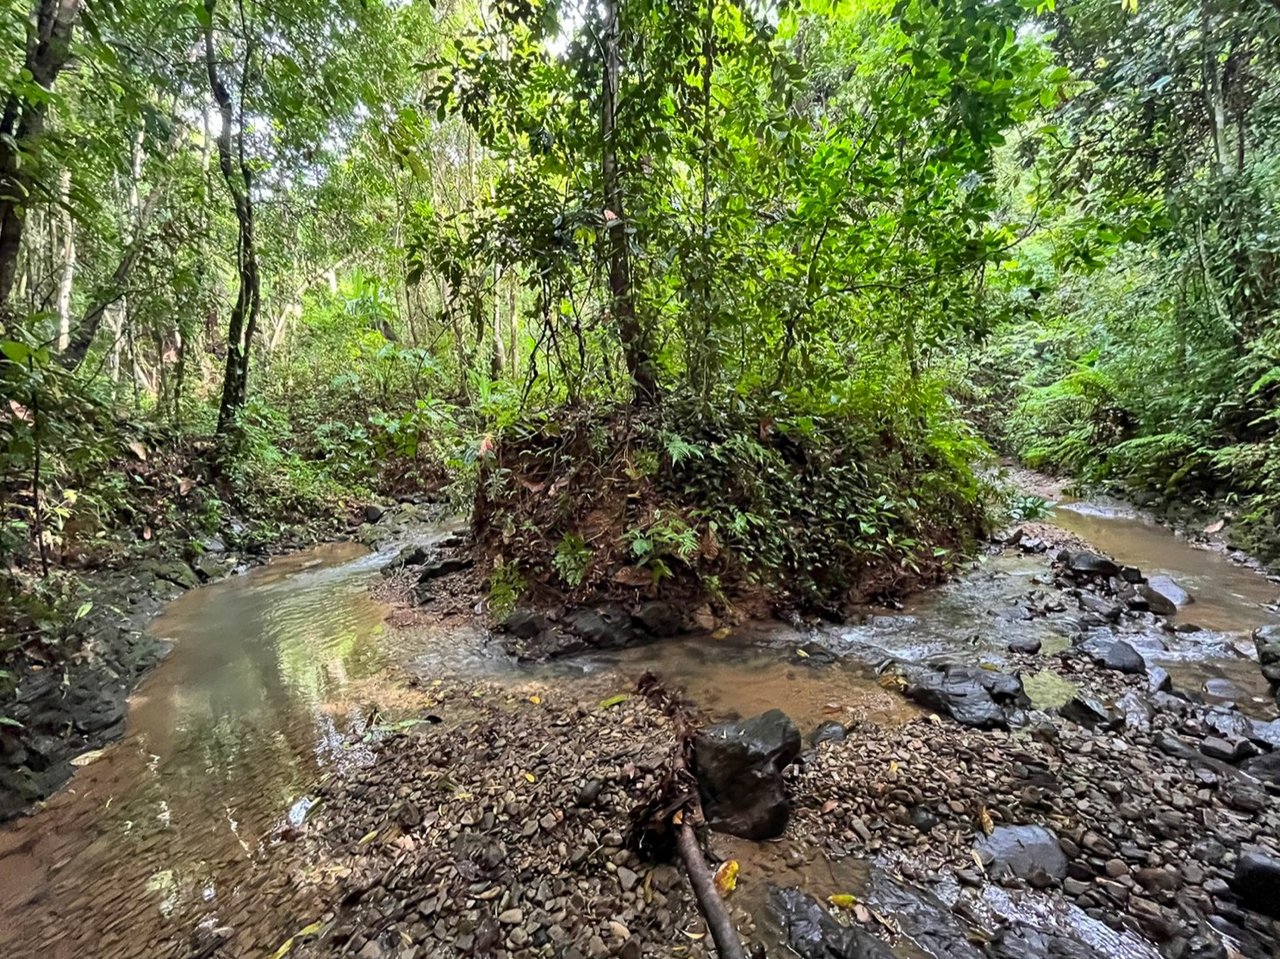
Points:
[(1030, 762)]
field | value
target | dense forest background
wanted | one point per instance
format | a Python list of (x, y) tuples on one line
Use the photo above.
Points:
[(666, 289)]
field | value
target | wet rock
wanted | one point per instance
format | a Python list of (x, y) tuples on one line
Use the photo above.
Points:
[(1084, 711), (739, 769), (1131, 575), (607, 627), (1025, 644), (1137, 711), (1267, 641), (1266, 734), (660, 618), (1088, 563), (970, 696), (373, 512), (1159, 680), (1265, 769), (1257, 882), (525, 624), (1031, 853), (924, 918), (444, 567), (1102, 608), (829, 731), (1114, 654), (1168, 590), (1155, 601), (408, 556), (171, 571), (811, 933)]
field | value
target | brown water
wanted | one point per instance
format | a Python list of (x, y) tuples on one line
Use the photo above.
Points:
[(272, 671)]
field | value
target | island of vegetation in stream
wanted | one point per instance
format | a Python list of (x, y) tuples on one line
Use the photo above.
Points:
[(639, 338)]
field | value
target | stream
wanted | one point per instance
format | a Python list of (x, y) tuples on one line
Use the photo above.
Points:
[(273, 671)]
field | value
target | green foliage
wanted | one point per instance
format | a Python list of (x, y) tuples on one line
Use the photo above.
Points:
[(572, 559)]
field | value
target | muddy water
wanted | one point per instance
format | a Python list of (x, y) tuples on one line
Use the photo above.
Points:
[(267, 672), (271, 671)]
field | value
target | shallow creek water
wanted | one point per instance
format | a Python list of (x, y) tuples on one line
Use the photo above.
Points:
[(272, 670)]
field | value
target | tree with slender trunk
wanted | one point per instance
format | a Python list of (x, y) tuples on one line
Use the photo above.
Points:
[(48, 49), (238, 177), (635, 352)]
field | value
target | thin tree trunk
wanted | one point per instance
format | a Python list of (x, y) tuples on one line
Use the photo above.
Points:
[(67, 275), (639, 367), (244, 315), (48, 48)]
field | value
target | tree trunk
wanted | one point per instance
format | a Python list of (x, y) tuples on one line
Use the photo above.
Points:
[(244, 315), (639, 366), (48, 48), (67, 276)]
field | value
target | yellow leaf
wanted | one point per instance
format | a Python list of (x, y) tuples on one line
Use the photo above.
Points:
[(368, 837), (614, 701), (727, 877), (893, 768), (978, 862), (531, 777), (984, 818), (312, 930), (283, 950), (721, 633), (843, 900), (536, 700), (85, 758), (935, 719), (802, 654)]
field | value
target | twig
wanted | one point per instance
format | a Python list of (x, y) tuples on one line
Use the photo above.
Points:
[(704, 889)]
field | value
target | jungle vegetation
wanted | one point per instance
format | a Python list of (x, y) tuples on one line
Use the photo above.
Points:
[(745, 290)]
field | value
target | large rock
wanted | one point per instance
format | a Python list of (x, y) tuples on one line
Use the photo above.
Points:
[(1257, 882), (1267, 641), (660, 618), (606, 627), (1166, 588), (1114, 654), (1153, 600), (1264, 768), (1087, 563), (1028, 852), (810, 932), (971, 696), (739, 768)]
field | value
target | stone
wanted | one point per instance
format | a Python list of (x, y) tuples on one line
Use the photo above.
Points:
[(829, 731), (970, 696), (1114, 654), (1159, 680), (444, 567), (660, 618), (1168, 590), (1031, 853), (373, 512), (511, 917), (1257, 882), (1025, 644), (739, 768), (810, 932), (1264, 768), (626, 879), (1267, 641), (525, 624), (1088, 712), (1102, 608), (1155, 601), (1088, 563), (606, 627)]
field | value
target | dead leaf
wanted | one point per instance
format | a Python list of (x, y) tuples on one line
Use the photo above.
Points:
[(802, 654), (633, 576), (138, 449), (185, 485), (146, 532), (830, 806), (85, 758), (721, 633), (1216, 527), (536, 700), (984, 818), (531, 777), (368, 837), (727, 877), (21, 412), (862, 913), (533, 486)]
